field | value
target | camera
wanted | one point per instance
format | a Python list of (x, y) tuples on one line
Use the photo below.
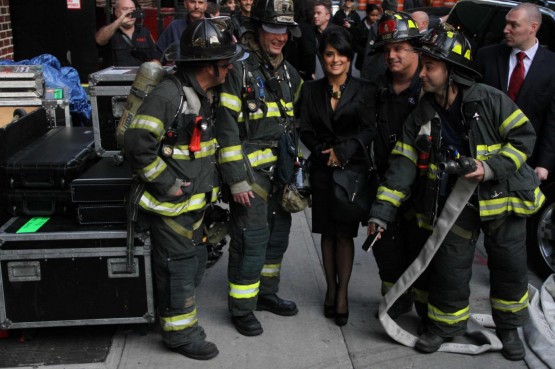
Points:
[(137, 14), (461, 166)]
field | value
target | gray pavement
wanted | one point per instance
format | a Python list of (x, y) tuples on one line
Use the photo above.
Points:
[(307, 340)]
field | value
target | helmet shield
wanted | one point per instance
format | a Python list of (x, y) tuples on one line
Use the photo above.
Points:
[(396, 27), (279, 12), (445, 43), (209, 39)]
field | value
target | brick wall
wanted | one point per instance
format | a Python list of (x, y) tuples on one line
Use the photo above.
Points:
[(6, 39)]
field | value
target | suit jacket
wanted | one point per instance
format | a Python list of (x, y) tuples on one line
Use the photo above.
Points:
[(536, 97), (322, 127)]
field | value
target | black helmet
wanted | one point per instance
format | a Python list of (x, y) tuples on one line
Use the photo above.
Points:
[(445, 43), (396, 27), (208, 39), (276, 12)]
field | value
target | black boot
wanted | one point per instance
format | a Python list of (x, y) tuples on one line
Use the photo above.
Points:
[(429, 342), (202, 350), (513, 349), (247, 325), (276, 305)]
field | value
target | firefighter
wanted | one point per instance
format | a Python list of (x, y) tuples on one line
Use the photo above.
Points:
[(397, 93), (171, 147), (256, 114), (479, 131)]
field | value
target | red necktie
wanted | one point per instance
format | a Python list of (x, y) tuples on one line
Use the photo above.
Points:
[(517, 77)]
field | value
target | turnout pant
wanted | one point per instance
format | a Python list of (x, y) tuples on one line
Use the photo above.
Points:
[(395, 251), (259, 238), (178, 268), (504, 240)]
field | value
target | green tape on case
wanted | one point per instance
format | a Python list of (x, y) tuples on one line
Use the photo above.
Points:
[(33, 225)]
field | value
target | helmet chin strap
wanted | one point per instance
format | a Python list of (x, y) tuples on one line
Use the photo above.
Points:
[(448, 85)]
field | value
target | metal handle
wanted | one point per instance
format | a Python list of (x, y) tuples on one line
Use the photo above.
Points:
[(117, 268), (24, 271)]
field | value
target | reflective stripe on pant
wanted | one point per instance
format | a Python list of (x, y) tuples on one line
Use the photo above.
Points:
[(259, 238), (505, 242), (448, 308), (175, 267)]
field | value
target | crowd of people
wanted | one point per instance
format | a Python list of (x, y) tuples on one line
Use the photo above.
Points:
[(247, 89)]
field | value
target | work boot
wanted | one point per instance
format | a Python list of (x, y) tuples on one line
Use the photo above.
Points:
[(430, 342), (513, 349), (202, 350), (422, 327), (276, 305), (247, 325)]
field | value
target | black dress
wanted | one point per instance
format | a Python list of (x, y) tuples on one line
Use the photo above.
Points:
[(322, 128)]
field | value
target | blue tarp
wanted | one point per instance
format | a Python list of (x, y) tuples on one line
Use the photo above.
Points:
[(56, 76)]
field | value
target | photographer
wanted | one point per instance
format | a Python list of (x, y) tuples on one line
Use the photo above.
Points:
[(124, 42)]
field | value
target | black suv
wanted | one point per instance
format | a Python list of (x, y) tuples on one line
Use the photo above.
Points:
[(482, 21)]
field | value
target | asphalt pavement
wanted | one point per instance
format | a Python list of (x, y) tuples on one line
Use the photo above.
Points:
[(307, 340)]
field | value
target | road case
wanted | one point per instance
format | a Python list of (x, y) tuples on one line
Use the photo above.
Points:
[(51, 161), (99, 193), (108, 91), (101, 214), (38, 202), (23, 87), (21, 81), (56, 273), (104, 182)]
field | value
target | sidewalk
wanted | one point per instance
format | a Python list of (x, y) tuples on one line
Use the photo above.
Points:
[(307, 340)]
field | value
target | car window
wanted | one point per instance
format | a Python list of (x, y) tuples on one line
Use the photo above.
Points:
[(483, 23)]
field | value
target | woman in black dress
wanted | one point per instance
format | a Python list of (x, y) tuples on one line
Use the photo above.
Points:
[(335, 110)]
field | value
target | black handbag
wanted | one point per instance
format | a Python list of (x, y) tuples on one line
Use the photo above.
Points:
[(354, 187)]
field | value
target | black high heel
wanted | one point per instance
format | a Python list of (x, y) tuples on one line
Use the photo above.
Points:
[(342, 318), (329, 311)]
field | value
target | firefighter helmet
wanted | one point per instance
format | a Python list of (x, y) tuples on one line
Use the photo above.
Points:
[(276, 12), (445, 43), (208, 39), (396, 27)]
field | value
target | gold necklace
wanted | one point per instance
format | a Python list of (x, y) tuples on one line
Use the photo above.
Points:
[(337, 94)]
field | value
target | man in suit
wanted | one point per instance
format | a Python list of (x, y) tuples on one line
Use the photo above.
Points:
[(536, 95)]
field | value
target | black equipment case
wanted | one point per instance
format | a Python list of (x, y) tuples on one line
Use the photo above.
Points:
[(38, 202), (104, 182), (16, 134), (52, 161), (56, 273), (100, 192), (101, 214)]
